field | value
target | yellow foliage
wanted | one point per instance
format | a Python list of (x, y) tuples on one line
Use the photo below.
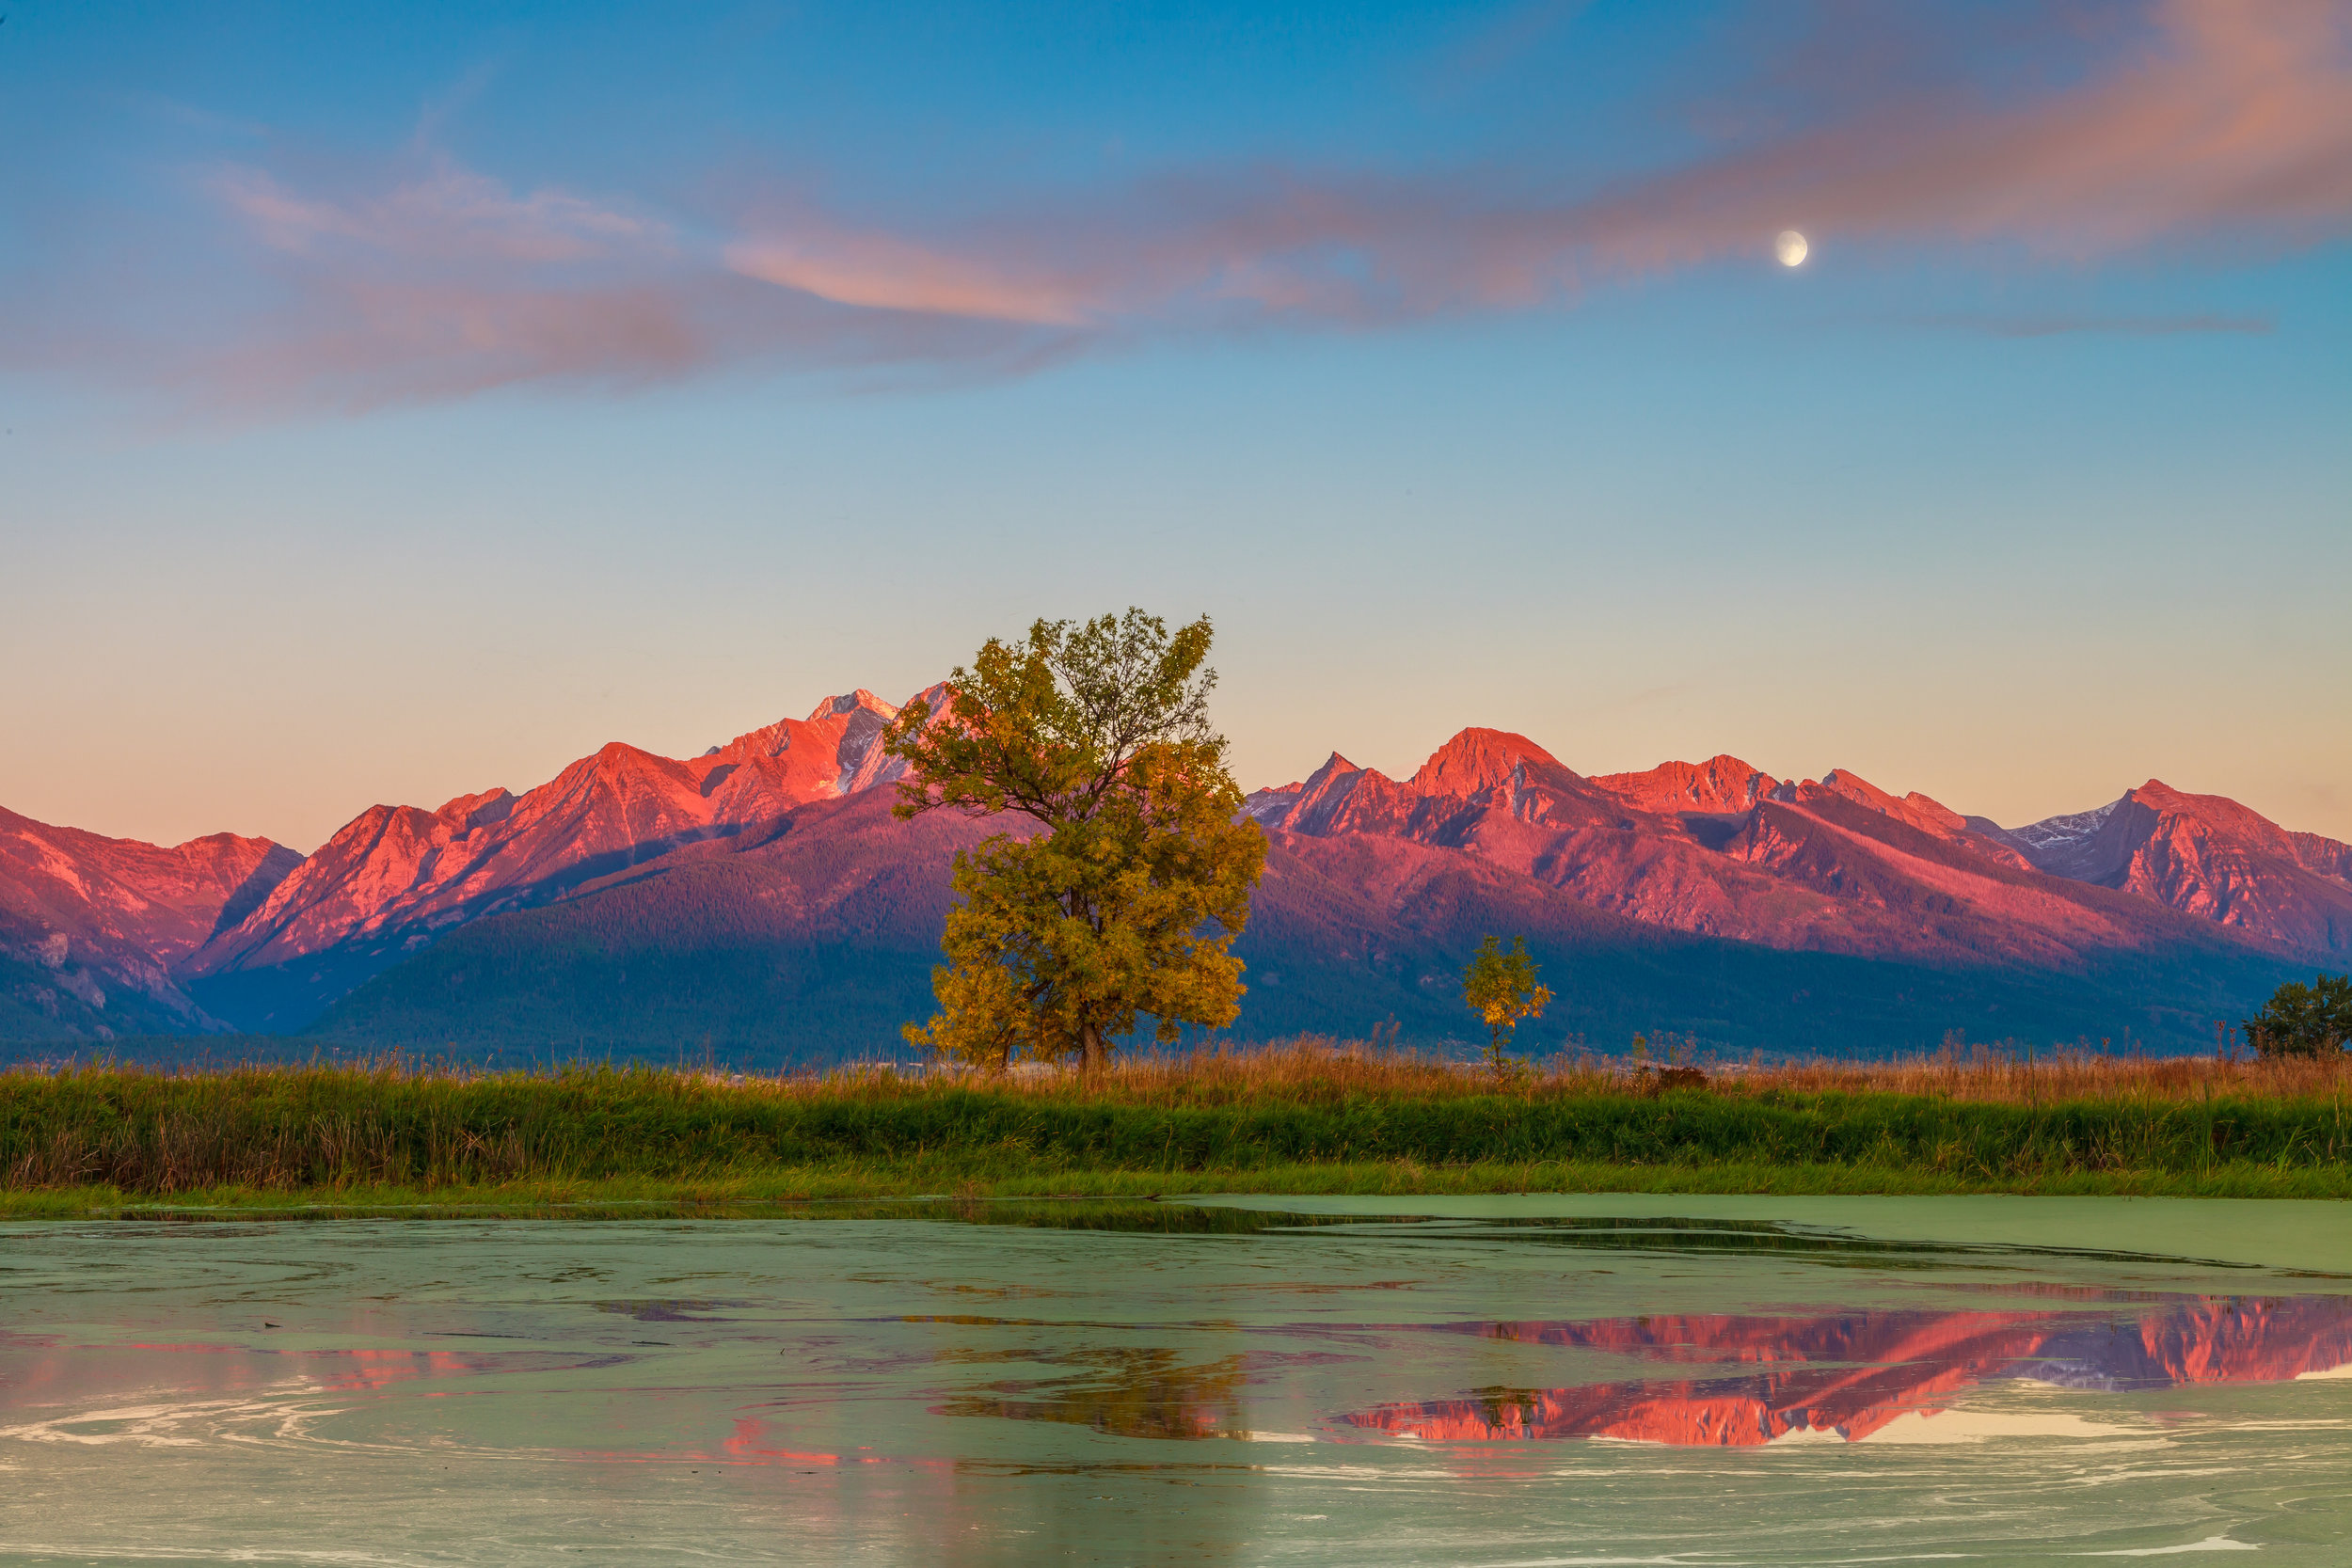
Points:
[(1127, 904), (1502, 990)]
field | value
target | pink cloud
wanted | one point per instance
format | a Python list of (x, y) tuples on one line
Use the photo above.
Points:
[(2219, 119), (2234, 117), (450, 283), (355, 344), (882, 273)]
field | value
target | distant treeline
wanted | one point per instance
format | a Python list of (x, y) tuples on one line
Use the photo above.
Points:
[(1269, 1120)]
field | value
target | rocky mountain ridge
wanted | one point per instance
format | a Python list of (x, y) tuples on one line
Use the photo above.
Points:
[(87, 920), (246, 933), (400, 869), (1838, 864)]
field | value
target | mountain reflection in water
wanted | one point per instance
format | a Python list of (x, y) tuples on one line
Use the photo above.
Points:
[(1850, 1374)]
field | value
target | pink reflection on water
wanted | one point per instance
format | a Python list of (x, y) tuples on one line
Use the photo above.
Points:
[(1853, 1373), (49, 1368)]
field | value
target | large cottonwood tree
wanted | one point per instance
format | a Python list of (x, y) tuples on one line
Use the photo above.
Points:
[(1126, 900)]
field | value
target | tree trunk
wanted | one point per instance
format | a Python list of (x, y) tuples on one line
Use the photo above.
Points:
[(1091, 1048)]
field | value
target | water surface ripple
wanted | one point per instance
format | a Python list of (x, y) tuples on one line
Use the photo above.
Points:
[(1575, 1381)]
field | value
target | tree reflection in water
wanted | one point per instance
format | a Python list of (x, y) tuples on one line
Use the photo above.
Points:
[(1127, 1391)]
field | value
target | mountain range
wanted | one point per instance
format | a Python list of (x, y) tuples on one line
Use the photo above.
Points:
[(761, 904)]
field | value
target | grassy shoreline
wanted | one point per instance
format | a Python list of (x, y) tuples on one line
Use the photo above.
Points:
[(786, 1192), (1307, 1119)]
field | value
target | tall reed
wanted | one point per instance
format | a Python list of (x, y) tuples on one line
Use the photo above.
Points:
[(1979, 1113)]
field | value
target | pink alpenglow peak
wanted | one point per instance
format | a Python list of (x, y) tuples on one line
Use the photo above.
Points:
[(1475, 760), (407, 869), (1720, 784), (97, 915), (2204, 855), (1837, 864)]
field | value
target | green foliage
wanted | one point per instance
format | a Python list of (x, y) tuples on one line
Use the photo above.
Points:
[(1099, 733), (2304, 1021), (318, 1129), (1502, 988)]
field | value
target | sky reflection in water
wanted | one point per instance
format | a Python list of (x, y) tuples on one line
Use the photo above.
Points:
[(1136, 1383)]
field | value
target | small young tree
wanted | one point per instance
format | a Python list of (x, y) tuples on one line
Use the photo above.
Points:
[(2304, 1021), (1502, 988), (1129, 900)]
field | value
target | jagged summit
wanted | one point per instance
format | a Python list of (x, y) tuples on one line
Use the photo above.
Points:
[(2205, 855), (1722, 784), (397, 875), (2054, 833), (775, 739), (1477, 759), (835, 706), (100, 924), (1920, 811), (1332, 768), (479, 810)]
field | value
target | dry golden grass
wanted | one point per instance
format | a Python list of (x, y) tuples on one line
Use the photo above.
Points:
[(1314, 1070), (1986, 1073)]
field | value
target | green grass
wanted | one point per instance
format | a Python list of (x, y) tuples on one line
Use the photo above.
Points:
[(111, 1141), (785, 1189)]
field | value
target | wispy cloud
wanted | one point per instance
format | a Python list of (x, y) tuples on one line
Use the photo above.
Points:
[(2232, 118), (447, 215), (447, 283), (2210, 121), (884, 273), (2231, 115)]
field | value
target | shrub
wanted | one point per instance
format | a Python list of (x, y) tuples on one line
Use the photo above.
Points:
[(2304, 1021)]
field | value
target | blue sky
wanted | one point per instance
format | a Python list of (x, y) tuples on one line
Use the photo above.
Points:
[(401, 403)]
